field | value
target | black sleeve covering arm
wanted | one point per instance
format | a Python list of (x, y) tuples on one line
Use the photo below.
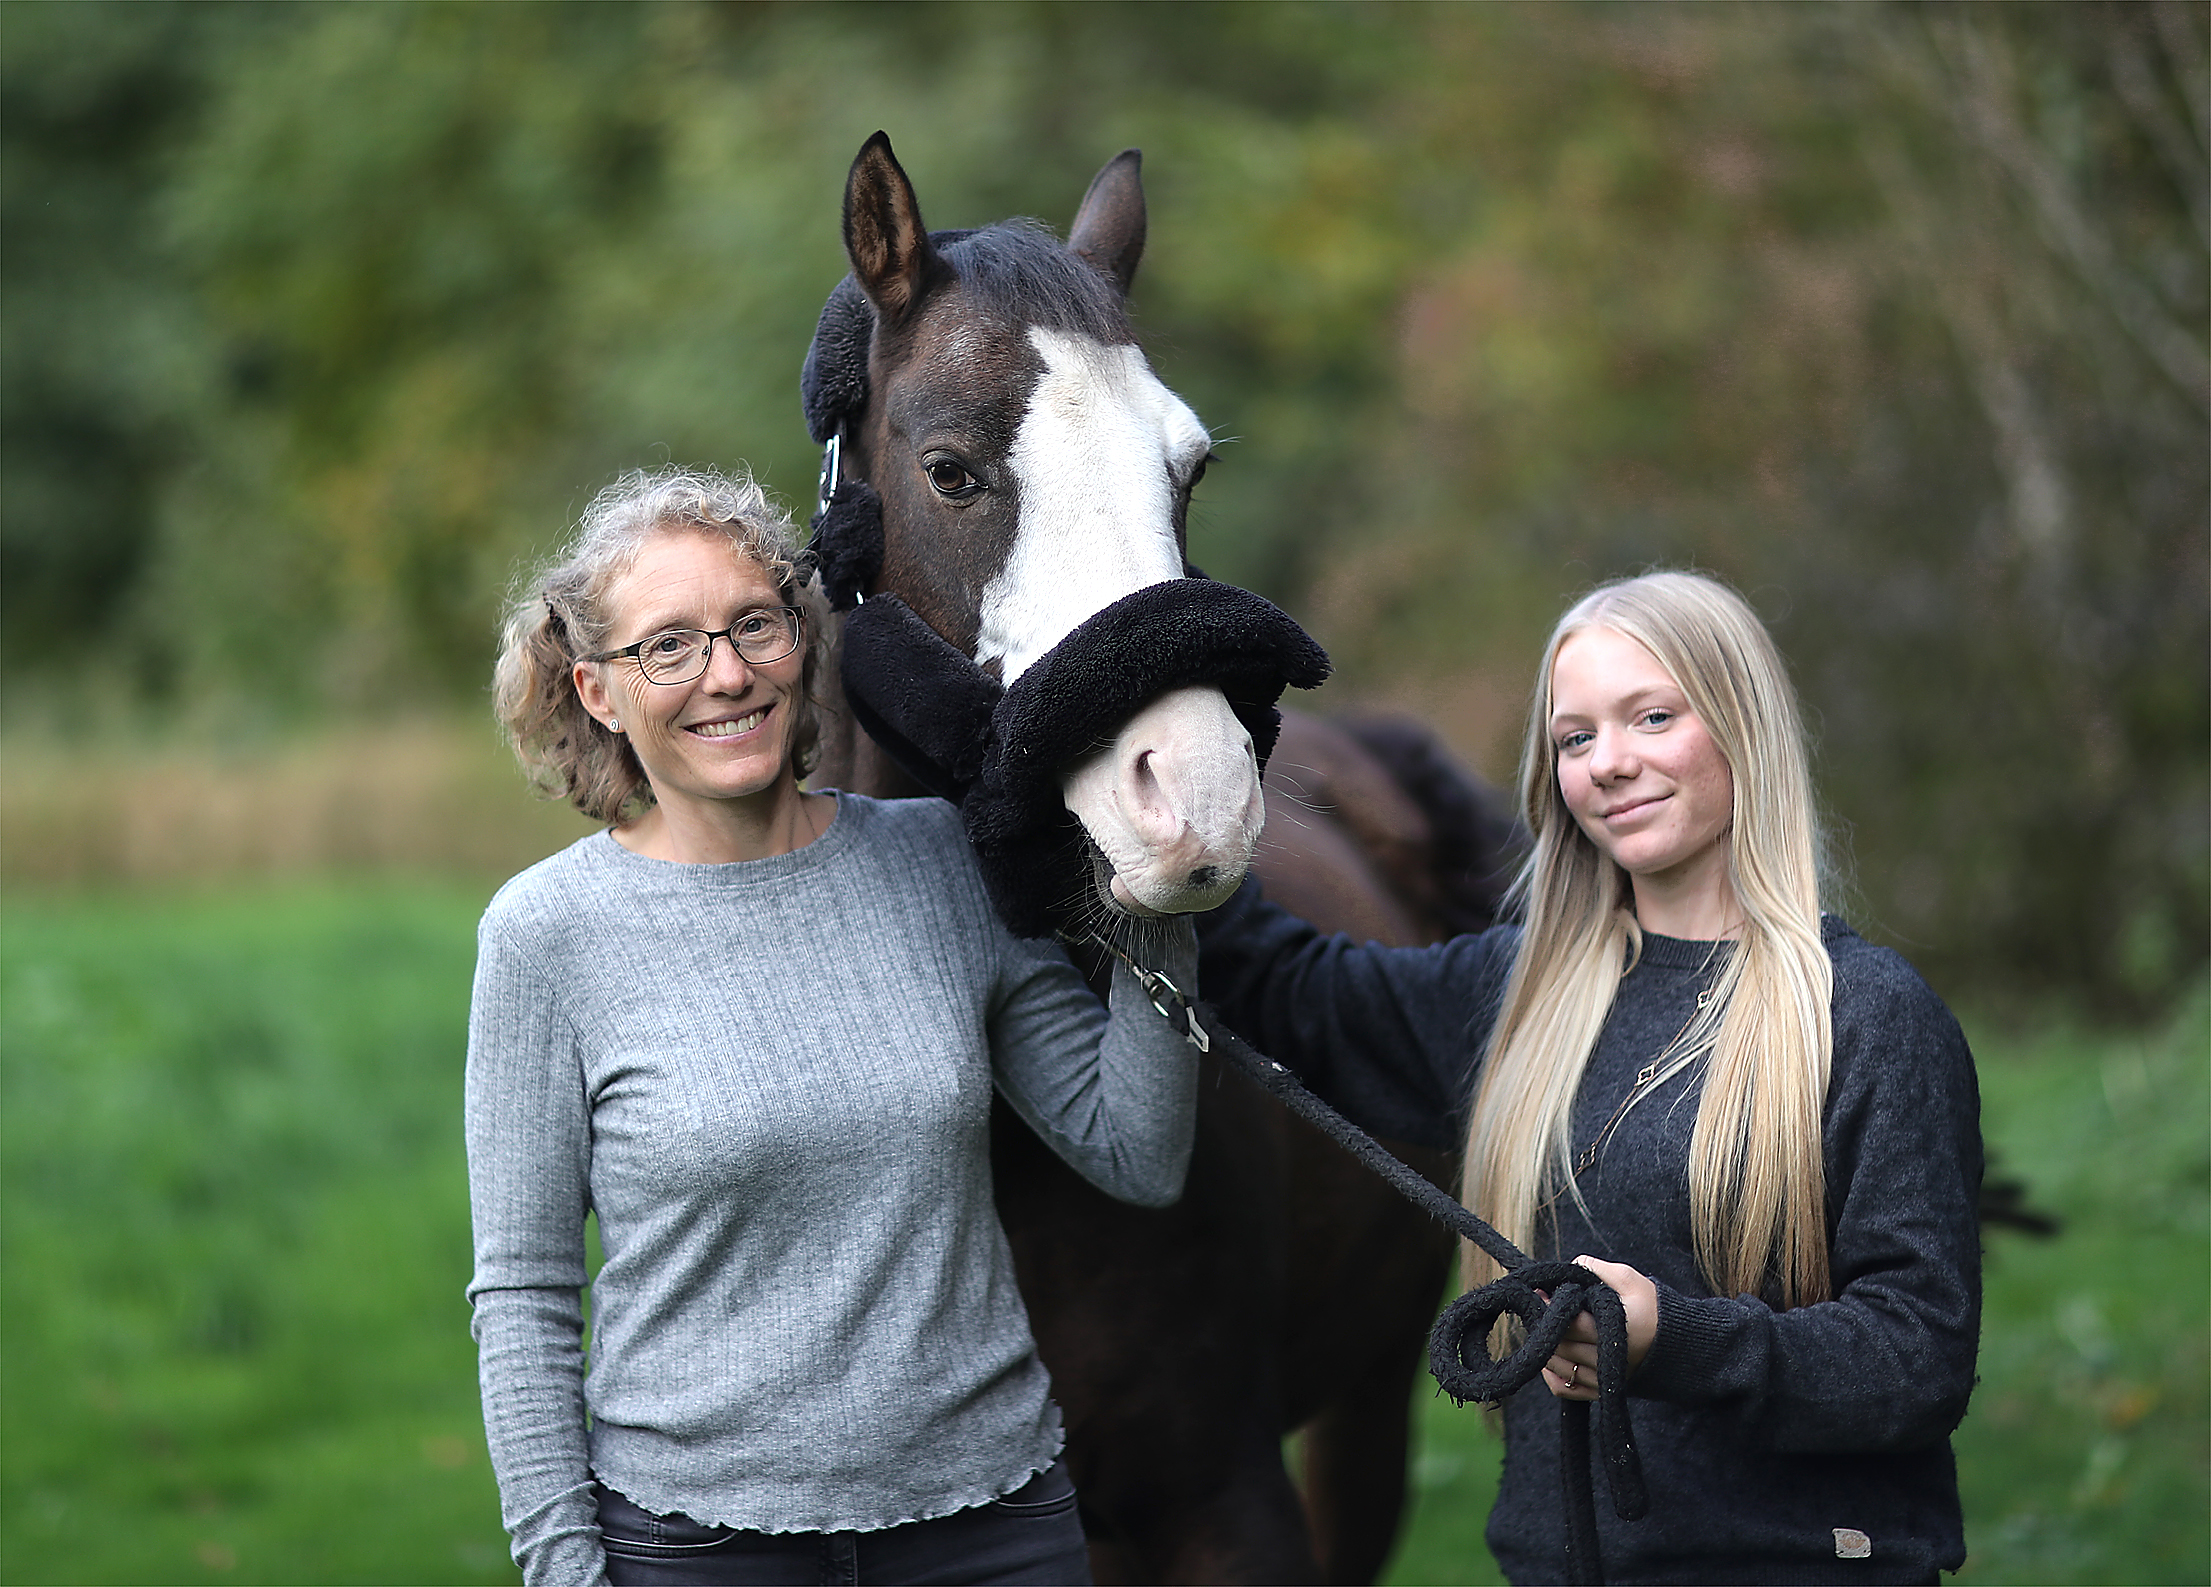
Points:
[(1887, 1363), (1388, 1036)]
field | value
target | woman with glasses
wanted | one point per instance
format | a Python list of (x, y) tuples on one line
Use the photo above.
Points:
[(1757, 1127), (754, 1032)]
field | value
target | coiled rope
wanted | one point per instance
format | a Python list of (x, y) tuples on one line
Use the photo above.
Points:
[(1545, 1296)]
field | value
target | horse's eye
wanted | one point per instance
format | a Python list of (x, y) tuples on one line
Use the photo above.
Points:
[(949, 479)]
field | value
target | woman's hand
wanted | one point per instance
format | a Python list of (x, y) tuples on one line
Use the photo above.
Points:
[(1571, 1374)]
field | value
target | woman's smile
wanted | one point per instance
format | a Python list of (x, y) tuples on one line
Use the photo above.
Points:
[(1621, 813), (728, 726)]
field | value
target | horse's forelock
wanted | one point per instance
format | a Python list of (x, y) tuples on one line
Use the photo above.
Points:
[(1018, 269)]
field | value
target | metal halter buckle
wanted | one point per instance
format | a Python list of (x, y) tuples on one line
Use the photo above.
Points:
[(832, 453)]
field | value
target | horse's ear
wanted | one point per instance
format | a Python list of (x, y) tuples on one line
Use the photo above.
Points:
[(1109, 228), (883, 235)]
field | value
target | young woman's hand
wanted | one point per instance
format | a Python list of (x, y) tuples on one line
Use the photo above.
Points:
[(1572, 1373)]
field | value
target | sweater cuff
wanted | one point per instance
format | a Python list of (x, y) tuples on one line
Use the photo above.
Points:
[(1693, 1342)]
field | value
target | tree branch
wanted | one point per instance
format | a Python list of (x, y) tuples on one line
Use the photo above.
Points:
[(2133, 76), (1982, 70), (2185, 51)]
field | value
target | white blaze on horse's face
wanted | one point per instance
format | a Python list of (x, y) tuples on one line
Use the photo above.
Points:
[(1096, 458), (1173, 803)]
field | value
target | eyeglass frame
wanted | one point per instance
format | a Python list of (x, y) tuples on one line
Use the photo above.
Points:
[(632, 652)]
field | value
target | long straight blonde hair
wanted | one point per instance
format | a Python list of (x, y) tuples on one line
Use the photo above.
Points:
[(1757, 1192)]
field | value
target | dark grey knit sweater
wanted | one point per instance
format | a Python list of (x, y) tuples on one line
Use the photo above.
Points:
[(1770, 1438)]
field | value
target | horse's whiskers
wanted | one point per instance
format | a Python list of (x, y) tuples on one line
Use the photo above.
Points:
[(1283, 779)]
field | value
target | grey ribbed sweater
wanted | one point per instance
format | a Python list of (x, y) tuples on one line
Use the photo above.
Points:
[(771, 1082)]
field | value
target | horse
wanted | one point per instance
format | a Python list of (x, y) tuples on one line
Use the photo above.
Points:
[(1032, 471)]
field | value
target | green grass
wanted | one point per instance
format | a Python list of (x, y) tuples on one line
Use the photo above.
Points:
[(234, 1235), (2087, 1454), (234, 1224)]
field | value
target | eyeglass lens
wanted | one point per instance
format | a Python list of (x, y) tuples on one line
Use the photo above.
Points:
[(681, 654)]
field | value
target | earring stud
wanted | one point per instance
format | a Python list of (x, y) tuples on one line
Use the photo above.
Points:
[(614, 724)]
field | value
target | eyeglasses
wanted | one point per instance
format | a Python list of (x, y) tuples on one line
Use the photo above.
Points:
[(677, 655)]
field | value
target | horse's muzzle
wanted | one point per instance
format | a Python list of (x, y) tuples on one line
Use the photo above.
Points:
[(1000, 754)]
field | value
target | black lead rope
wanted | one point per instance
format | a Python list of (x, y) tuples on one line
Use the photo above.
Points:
[(1458, 1350)]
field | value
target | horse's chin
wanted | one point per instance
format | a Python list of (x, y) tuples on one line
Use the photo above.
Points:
[(1151, 899), (1117, 891), (1173, 805), (1118, 898)]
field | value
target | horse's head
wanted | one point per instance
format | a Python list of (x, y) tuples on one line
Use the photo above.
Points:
[(1033, 470)]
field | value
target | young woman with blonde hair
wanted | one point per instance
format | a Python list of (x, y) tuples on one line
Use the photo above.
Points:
[(1760, 1129)]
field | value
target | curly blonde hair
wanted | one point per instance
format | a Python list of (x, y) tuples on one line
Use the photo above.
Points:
[(559, 613)]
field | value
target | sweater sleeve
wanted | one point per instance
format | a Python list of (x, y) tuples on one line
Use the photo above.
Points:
[(1388, 1036), (1888, 1363), (1114, 1094), (529, 1164)]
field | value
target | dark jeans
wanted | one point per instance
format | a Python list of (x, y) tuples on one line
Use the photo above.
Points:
[(1032, 1535)]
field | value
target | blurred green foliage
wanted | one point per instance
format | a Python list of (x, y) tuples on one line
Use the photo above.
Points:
[(317, 319), (235, 1218)]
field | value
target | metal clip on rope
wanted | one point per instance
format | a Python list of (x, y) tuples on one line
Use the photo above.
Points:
[(1545, 1296), (1173, 1003)]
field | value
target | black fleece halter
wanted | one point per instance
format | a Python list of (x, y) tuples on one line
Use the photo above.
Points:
[(999, 753)]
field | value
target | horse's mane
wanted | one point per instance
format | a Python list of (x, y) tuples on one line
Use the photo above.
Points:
[(1019, 269)]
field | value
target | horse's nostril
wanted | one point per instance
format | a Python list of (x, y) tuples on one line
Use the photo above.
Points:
[(1204, 876)]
